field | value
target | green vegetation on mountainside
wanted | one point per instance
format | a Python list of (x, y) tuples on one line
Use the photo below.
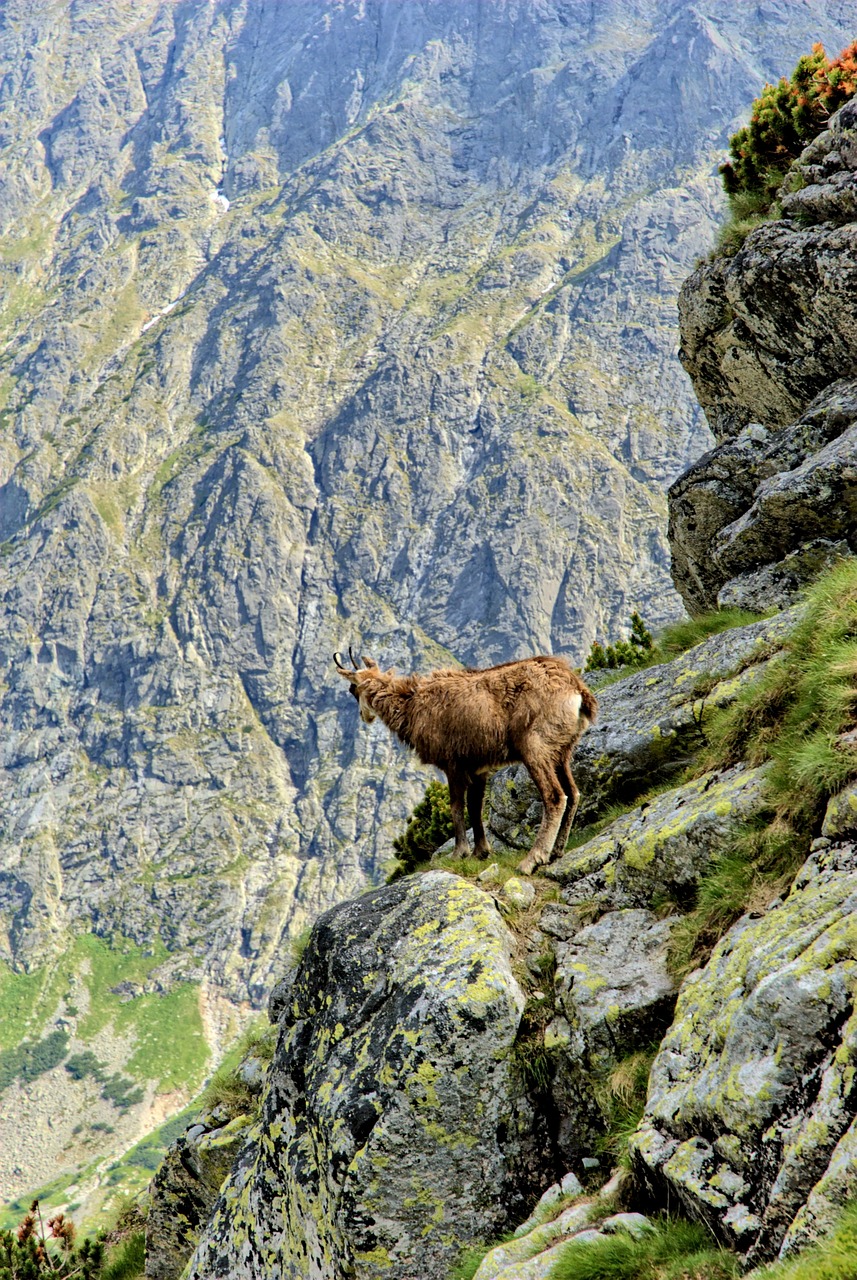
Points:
[(97, 986)]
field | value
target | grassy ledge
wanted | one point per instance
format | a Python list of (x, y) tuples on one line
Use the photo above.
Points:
[(799, 720)]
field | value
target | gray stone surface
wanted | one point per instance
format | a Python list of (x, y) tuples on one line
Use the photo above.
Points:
[(394, 1126), (751, 1092), (769, 338), (613, 988)]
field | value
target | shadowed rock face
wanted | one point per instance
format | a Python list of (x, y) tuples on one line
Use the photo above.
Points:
[(769, 338)]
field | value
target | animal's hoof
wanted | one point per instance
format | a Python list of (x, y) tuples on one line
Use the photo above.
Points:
[(527, 867), (461, 853), (482, 851)]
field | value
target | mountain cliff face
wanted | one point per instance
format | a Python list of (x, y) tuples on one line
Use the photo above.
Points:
[(769, 337), (322, 323), (366, 1159)]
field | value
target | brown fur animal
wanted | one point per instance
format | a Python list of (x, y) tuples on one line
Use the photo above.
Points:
[(469, 723)]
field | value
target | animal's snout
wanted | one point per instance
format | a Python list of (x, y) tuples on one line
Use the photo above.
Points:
[(367, 715)]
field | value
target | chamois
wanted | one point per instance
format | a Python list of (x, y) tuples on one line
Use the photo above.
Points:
[(469, 723)]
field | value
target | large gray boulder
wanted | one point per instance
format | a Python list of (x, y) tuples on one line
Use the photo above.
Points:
[(396, 1126), (660, 850), (769, 338)]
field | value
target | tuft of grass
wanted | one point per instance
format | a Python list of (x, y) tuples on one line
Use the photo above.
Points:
[(834, 1258), (226, 1087), (676, 638), (760, 864), (672, 1250), (747, 210), (127, 1260), (621, 1097)]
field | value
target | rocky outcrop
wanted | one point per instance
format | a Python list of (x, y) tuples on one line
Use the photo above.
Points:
[(751, 1098), (769, 338), (185, 1188), (395, 1126), (425, 1091)]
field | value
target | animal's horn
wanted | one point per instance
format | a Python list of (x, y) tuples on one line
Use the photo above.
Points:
[(337, 661), (352, 657)]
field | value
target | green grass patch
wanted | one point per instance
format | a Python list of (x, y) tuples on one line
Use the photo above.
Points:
[(111, 972), (834, 1258), (672, 1250), (798, 719), (621, 1097), (798, 716), (127, 1259)]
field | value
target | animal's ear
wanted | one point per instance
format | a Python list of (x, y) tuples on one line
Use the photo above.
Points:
[(370, 662), (346, 675)]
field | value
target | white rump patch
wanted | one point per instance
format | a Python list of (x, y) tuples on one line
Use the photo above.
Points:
[(572, 703)]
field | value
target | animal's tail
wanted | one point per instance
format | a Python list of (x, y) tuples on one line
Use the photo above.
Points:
[(589, 705)]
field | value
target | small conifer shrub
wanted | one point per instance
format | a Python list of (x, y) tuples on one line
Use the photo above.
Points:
[(37, 1249), (633, 652), (429, 826), (784, 118)]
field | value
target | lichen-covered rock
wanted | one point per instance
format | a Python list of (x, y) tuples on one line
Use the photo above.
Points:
[(185, 1188), (188, 1181), (753, 1087), (766, 337), (661, 848), (613, 988), (395, 1126), (650, 724)]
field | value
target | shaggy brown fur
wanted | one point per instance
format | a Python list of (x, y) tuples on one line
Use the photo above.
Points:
[(469, 723)]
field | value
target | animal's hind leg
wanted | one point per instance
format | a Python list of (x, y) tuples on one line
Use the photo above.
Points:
[(475, 800), (456, 804), (569, 786), (553, 796)]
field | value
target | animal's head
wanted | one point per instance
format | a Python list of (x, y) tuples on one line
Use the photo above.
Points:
[(357, 677)]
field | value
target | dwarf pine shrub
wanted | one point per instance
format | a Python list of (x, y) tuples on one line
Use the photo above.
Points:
[(429, 826), (783, 119)]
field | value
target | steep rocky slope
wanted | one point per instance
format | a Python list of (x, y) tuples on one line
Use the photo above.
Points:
[(769, 337), (422, 1095), (322, 323)]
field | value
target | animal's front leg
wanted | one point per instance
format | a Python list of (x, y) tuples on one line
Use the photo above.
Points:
[(475, 800), (456, 804)]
